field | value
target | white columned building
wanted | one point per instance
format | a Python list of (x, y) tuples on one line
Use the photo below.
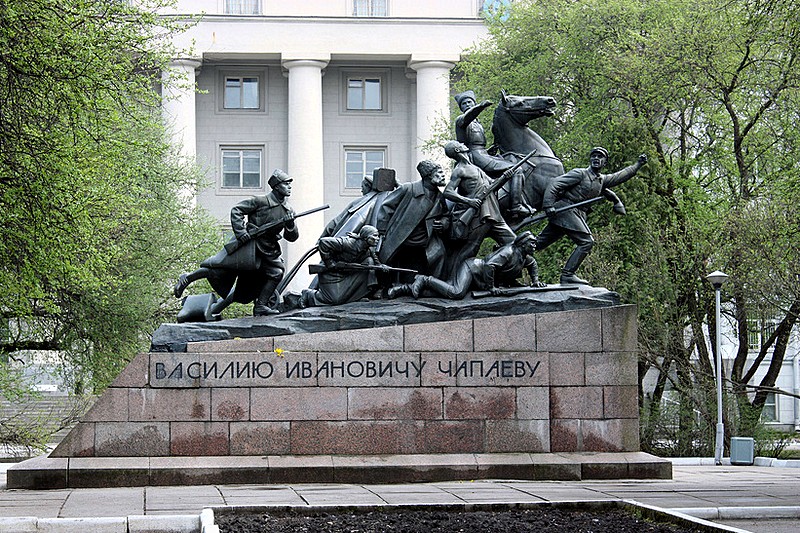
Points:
[(433, 103), (305, 153), (324, 90), (179, 109)]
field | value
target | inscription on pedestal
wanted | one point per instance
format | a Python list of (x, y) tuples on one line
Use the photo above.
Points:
[(179, 370)]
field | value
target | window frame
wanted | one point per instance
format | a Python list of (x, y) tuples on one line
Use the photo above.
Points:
[(771, 404), (241, 148), (222, 85), (370, 4), (383, 75), (258, 5), (346, 190)]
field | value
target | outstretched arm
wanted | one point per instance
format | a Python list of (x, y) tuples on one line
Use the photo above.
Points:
[(471, 114), (611, 180)]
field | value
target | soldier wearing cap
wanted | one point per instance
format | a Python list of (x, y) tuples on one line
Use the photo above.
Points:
[(338, 285), (502, 268), (576, 186), (470, 132), (260, 210), (253, 271)]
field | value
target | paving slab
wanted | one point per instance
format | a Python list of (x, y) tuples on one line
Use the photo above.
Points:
[(32, 509), (103, 502), (260, 495), (420, 498), (787, 525)]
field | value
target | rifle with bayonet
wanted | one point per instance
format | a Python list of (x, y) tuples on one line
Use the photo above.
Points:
[(511, 291), (234, 244), (356, 267), (541, 216), (466, 217)]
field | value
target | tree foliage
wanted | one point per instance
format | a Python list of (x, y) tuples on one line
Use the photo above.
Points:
[(710, 90), (94, 217)]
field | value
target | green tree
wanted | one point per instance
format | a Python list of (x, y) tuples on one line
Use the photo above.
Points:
[(709, 89), (94, 212)]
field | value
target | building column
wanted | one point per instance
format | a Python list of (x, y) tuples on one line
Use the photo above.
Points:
[(433, 105), (178, 109), (304, 157)]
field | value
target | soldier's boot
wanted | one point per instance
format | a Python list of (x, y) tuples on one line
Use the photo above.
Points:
[(568, 276), (519, 207), (397, 291), (420, 282), (262, 305), (294, 300)]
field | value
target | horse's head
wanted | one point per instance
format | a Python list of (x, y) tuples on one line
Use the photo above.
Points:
[(526, 108)]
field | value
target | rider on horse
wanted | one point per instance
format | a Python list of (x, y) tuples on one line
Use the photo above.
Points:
[(470, 132)]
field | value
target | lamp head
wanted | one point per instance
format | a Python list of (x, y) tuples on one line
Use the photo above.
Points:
[(717, 278)]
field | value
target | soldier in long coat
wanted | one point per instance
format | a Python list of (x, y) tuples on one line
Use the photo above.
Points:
[(410, 220), (253, 271), (575, 186)]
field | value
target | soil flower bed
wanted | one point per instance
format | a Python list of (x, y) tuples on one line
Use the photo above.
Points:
[(544, 519)]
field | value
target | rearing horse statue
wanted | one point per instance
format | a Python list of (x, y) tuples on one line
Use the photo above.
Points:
[(515, 140)]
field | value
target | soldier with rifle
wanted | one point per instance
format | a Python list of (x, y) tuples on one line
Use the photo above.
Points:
[(502, 268), (476, 212), (250, 267), (348, 270), (579, 185)]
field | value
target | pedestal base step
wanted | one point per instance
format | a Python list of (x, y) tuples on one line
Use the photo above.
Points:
[(57, 473)]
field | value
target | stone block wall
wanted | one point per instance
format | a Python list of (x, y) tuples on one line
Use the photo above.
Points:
[(551, 382)]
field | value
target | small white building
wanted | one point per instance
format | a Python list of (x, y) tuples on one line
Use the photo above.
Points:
[(781, 412), (324, 89)]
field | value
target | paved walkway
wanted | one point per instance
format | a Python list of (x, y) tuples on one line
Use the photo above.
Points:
[(709, 492)]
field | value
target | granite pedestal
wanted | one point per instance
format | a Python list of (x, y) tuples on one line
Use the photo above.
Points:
[(530, 396)]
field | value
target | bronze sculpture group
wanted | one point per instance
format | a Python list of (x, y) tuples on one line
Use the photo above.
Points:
[(422, 238)]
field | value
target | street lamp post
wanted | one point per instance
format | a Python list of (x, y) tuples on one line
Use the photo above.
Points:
[(716, 279)]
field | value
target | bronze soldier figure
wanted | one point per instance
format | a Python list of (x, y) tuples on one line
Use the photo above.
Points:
[(502, 268), (470, 132), (349, 269), (253, 271), (575, 186), (410, 220), (467, 189)]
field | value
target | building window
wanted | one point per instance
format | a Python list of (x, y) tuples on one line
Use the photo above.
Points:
[(242, 7), (241, 92), (360, 162), (770, 411), (758, 332), (753, 337), (364, 93), (369, 8), (241, 168)]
